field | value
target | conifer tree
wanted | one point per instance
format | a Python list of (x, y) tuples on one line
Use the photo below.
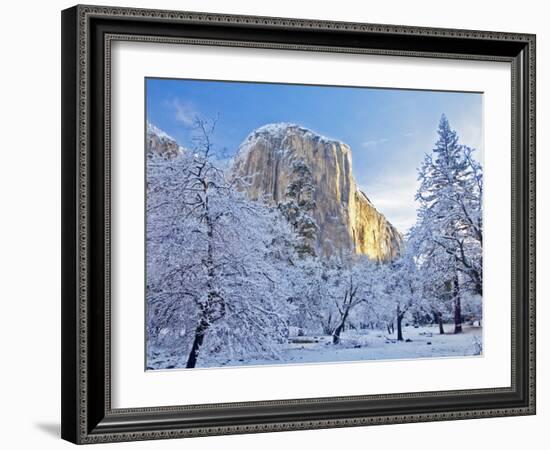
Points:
[(298, 205), (450, 215)]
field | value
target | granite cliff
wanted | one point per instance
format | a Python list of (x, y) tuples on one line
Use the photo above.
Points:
[(161, 143), (347, 219)]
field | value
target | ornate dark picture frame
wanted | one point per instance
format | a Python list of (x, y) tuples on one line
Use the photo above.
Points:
[(87, 34)]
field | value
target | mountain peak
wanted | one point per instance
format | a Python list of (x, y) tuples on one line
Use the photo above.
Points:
[(283, 129), (154, 130), (284, 136), (161, 143), (346, 218)]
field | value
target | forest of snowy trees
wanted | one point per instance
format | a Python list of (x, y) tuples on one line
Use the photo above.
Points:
[(234, 281)]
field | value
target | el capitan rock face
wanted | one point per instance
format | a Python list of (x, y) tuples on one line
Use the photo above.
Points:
[(346, 218)]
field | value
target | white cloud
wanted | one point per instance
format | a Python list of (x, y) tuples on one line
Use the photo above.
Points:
[(185, 112), (374, 142), (393, 196), (470, 134), (469, 126)]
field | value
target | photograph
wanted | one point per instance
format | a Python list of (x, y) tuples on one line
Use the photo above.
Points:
[(301, 224), (280, 220)]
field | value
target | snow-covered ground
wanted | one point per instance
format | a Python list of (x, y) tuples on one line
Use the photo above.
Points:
[(424, 342)]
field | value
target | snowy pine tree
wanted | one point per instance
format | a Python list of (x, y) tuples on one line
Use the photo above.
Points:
[(298, 204), (449, 226)]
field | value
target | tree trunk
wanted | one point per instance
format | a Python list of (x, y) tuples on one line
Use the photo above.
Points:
[(197, 342), (438, 316), (479, 288), (440, 323), (458, 316), (339, 329), (336, 334), (399, 327), (203, 325), (457, 309)]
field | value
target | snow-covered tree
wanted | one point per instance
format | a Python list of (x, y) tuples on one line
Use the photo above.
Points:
[(297, 206), (349, 284), (433, 265), (215, 260), (308, 279), (402, 293), (449, 226)]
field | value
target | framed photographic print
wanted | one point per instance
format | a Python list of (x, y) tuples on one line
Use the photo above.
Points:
[(281, 224)]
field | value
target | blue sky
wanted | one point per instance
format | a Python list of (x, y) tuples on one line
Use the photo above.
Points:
[(388, 130)]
